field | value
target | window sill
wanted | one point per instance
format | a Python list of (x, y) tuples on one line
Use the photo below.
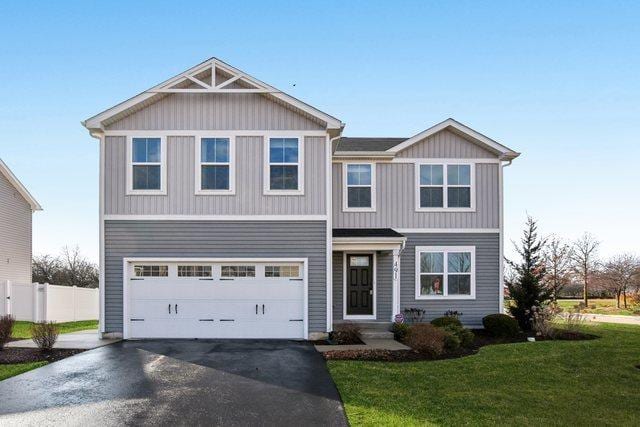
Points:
[(146, 193), (359, 210), (283, 192), (445, 298), (445, 209), (215, 192)]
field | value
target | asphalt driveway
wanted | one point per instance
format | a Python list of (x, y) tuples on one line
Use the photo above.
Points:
[(178, 382)]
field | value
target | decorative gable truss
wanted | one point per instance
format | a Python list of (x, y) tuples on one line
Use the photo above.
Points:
[(210, 76), (213, 76)]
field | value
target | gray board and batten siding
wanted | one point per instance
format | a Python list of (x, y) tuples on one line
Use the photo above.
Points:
[(248, 199)]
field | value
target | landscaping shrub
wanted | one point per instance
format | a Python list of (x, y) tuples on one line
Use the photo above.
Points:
[(446, 321), (575, 322), (542, 321), (465, 336), (414, 315), (346, 333), (451, 340), (400, 331), (426, 339), (44, 334), (6, 326), (453, 313), (501, 325)]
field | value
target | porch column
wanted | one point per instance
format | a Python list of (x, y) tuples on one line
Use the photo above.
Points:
[(395, 294)]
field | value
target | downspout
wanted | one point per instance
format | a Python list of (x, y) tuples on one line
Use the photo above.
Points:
[(501, 230)]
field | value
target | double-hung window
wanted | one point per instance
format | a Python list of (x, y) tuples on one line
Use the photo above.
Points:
[(146, 171), (444, 187), (283, 174), (359, 193), (214, 173), (445, 272)]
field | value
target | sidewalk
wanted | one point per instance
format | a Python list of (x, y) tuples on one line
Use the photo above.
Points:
[(608, 318), (81, 340)]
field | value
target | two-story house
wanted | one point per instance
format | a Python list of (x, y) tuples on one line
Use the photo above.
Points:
[(229, 209)]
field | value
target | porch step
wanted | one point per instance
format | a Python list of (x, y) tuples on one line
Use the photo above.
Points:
[(370, 326), (376, 335)]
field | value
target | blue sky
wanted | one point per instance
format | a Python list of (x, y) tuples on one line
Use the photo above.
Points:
[(558, 81)]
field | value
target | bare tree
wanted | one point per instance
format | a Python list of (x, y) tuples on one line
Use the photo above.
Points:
[(45, 268), (557, 256), (620, 274), (584, 261), (78, 270)]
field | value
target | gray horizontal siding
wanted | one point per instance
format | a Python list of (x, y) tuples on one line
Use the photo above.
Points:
[(15, 234), (395, 195), (446, 145), (196, 111), (487, 275), (269, 239), (384, 285), (181, 198)]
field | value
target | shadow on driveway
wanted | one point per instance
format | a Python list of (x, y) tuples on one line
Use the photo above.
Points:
[(194, 382)]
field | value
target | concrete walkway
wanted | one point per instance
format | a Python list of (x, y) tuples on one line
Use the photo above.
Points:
[(369, 344), (608, 318), (81, 340)]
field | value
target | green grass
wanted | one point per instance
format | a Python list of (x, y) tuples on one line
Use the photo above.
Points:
[(7, 371), (603, 306), (21, 328), (552, 382)]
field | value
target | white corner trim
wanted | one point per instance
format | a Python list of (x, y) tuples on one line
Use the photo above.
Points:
[(215, 217), (345, 187), (15, 182), (445, 285), (346, 316), (101, 259), (163, 168), (445, 185), (329, 230), (198, 168), (266, 172)]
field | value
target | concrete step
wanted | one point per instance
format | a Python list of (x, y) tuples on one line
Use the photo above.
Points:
[(374, 326), (376, 335)]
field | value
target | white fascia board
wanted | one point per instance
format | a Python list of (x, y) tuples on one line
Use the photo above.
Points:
[(95, 122), (505, 152), (15, 182)]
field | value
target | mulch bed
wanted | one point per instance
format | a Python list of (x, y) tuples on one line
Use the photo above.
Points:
[(26, 355), (482, 338)]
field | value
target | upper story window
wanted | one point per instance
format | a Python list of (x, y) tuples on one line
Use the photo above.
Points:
[(445, 272), (359, 193), (444, 187), (215, 166), (146, 171), (283, 174)]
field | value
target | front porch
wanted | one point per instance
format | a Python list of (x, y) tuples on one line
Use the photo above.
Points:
[(366, 275)]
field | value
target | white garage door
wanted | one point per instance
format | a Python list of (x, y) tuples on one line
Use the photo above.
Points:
[(225, 299)]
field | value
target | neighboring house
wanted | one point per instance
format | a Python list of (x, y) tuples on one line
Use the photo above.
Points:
[(16, 208), (225, 212)]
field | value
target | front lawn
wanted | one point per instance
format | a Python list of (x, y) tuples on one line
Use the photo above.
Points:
[(7, 371), (590, 382), (602, 306), (21, 328)]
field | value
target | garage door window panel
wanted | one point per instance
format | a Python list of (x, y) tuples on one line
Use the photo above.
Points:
[(194, 271), (232, 271), (151, 270)]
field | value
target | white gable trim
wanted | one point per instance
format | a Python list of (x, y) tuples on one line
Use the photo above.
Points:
[(95, 122), (505, 152), (4, 169)]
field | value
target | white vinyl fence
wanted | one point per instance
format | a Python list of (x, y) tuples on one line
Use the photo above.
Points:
[(37, 302)]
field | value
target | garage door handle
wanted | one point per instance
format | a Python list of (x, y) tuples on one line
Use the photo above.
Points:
[(262, 308), (176, 310), (256, 308), (169, 308)]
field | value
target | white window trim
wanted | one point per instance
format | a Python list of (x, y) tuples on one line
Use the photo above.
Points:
[(445, 250), (345, 258), (163, 168), (444, 164), (345, 187), (232, 167), (266, 173)]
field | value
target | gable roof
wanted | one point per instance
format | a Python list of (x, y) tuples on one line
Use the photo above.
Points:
[(4, 170), (504, 152), (192, 81), (349, 144)]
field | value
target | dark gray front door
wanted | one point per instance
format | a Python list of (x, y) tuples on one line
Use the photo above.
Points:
[(360, 285)]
